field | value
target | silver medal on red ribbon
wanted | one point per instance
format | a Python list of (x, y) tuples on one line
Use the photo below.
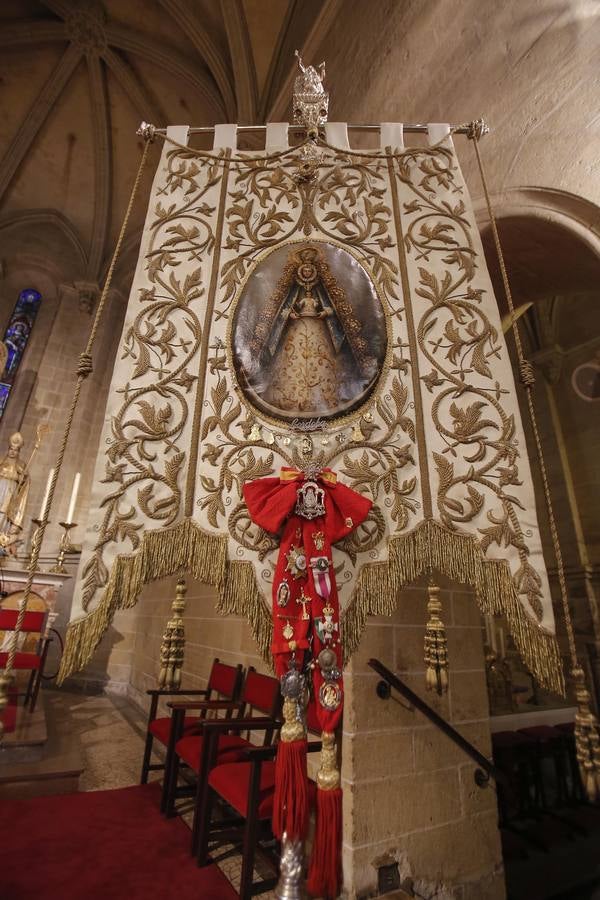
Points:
[(320, 569)]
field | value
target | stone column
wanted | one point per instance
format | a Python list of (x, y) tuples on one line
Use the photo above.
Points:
[(409, 794)]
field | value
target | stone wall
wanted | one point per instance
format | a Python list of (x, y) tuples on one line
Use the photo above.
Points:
[(207, 635), (409, 793)]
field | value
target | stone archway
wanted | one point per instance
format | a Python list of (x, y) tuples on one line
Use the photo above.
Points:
[(551, 244)]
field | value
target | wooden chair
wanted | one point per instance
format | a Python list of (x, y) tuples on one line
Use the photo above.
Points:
[(248, 787), (33, 661), (261, 695), (224, 682)]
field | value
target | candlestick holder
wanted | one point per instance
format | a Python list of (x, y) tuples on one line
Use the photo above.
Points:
[(65, 546)]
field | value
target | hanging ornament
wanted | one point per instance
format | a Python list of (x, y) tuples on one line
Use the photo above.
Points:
[(173, 642), (357, 435), (436, 650), (254, 433)]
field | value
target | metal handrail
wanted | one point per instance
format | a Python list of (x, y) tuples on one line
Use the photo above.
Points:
[(485, 770)]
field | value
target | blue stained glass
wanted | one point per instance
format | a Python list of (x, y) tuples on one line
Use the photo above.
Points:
[(16, 337)]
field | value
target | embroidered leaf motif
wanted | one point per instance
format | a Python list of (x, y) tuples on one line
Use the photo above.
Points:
[(432, 380), (445, 472), (468, 421), (211, 453)]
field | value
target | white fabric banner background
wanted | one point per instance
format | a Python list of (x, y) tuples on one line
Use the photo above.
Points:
[(439, 447)]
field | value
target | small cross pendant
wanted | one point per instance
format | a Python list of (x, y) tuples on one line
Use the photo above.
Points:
[(303, 599)]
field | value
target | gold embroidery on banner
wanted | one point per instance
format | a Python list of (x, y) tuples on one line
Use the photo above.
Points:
[(408, 306), (145, 459), (202, 364), (480, 459)]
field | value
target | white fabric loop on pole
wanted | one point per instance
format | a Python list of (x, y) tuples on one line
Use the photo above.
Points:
[(179, 133), (336, 134), (391, 134), (225, 137), (276, 137), (436, 132)]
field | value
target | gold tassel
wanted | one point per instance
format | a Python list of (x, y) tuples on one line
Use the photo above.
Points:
[(328, 776), (587, 739), (436, 648), (173, 642), (293, 725)]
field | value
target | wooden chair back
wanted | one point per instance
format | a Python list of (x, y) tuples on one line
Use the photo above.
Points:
[(261, 696)]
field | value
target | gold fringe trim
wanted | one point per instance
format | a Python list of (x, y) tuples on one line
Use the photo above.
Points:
[(163, 552), (242, 597), (459, 557), (186, 546)]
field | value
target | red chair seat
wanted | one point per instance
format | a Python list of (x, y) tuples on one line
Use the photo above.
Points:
[(231, 782), (22, 660), (161, 728), (231, 748)]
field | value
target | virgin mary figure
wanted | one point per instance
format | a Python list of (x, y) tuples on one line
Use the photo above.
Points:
[(308, 342)]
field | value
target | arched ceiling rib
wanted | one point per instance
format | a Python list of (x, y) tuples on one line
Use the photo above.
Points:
[(103, 164), (182, 12), (37, 115), (72, 146), (16, 34), (147, 106), (168, 59), (242, 60)]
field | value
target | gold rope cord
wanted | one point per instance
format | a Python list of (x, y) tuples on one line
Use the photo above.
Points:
[(279, 154), (84, 368), (587, 734)]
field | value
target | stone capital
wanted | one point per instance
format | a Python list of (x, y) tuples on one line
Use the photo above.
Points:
[(87, 293)]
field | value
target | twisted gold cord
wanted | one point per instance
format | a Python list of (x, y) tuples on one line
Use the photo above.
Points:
[(527, 379), (84, 368), (587, 736)]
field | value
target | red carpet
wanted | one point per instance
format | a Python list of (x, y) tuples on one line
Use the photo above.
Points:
[(100, 845)]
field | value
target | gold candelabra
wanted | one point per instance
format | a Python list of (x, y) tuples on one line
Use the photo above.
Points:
[(65, 546)]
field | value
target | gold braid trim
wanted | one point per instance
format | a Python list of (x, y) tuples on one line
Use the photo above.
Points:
[(163, 552), (459, 557), (242, 596), (187, 546)]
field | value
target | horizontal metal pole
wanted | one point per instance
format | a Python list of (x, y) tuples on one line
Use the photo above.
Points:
[(300, 129)]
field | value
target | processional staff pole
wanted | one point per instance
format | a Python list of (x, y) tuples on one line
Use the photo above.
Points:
[(84, 368), (587, 732)]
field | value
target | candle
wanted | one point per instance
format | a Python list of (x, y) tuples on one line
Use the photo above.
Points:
[(488, 638), (73, 500), (46, 495)]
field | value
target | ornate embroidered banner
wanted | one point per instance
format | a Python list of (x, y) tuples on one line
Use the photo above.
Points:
[(333, 311)]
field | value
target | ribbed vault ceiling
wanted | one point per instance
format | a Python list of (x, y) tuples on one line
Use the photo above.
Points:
[(77, 77)]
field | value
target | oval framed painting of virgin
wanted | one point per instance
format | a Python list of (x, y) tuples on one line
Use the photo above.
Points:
[(308, 334)]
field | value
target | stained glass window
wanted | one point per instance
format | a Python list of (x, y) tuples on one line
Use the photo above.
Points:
[(16, 337)]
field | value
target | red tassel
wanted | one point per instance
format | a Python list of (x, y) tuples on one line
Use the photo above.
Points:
[(291, 802), (325, 871)]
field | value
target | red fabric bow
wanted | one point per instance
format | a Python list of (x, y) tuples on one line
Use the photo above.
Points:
[(272, 505)]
